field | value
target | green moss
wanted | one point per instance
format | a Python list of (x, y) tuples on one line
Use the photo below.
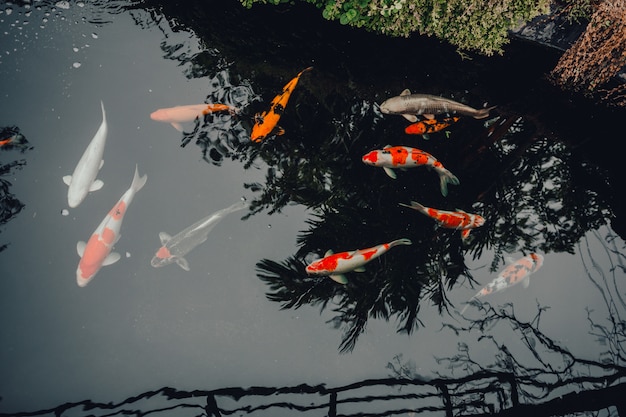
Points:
[(471, 25)]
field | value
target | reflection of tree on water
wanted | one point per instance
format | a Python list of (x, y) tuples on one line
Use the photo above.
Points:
[(11, 140)]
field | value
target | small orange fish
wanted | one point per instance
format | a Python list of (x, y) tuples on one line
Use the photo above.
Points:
[(424, 127), (7, 140), (266, 122), (516, 272), (180, 114), (458, 220)]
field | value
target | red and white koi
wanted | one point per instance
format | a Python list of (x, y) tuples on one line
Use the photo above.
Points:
[(96, 253), (402, 157), (180, 114), (458, 220), (335, 265), (514, 273)]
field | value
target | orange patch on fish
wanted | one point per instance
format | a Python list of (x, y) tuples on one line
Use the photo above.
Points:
[(163, 253), (108, 236)]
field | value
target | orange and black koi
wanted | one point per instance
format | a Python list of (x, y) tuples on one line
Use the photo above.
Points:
[(427, 126), (267, 122), (458, 220)]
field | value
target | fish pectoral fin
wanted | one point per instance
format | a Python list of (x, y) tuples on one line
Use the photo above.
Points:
[(80, 248), (426, 136), (390, 172), (410, 117), (465, 233), (359, 269), (339, 278), (279, 131), (509, 260), (177, 126), (328, 252), (111, 258), (526, 281), (429, 116), (67, 179), (405, 92), (96, 185), (182, 262), (101, 164), (164, 237)]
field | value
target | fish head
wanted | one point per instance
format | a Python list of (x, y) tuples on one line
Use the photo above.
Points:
[(74, 199), (386, 107), (160, 115), (371, 158), (162, 257), (538, 260), (324, 266)]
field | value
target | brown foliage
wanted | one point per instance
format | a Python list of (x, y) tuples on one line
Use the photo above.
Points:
[(597, 55)]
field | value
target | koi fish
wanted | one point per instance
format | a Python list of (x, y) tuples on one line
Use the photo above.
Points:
[(427, 126), (266, 122), (83, 179), (175, 248), (96, 253), (336, 265), (458, 220), (404, 157), (516, 272), (13, 141), (410, 105), (180, 114)]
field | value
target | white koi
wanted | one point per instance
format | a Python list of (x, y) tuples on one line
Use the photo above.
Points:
[(98, 251), (175, 248), (83, 179)]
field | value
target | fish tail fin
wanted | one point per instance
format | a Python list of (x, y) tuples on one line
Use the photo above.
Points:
[(305, 70), (415, 206), (104, 115), (138, 182), (403, 241), (482, 113), (445, 178)]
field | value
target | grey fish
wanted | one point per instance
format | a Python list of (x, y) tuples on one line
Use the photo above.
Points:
[(175, 248), (410, 105)]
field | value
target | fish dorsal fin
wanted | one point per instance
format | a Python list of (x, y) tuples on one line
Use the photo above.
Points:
[(526, 281), (405, 92), (329, 252), (96, 185), (164, 237), (182, 262), (67, 179), (80, 248), (509, 260), (339, 278), (410, 117), (461, 211), (387, 146), (111, 258), (177, 126)]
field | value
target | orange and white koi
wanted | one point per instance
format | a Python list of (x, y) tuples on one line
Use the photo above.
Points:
[(427, 126), (458, 220), (335, 265), (97, 252), (180, 114), (514, 273), (405, 157), (267, 122)]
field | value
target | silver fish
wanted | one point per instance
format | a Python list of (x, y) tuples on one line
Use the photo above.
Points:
[(410, 105), (175, 248)]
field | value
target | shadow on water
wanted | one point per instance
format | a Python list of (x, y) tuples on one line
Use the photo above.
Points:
[(11, 141), (530, 171), (527, 169)]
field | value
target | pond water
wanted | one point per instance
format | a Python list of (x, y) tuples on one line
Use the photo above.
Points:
[(539, 169)]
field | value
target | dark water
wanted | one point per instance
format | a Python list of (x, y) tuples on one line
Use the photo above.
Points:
[(543, 171)]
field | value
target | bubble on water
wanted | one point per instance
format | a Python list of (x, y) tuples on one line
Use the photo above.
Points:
[(76, 64), (80, 4), (65, 212), (8, 11), (75, 49), (62, 4), (94, 35), (128, 254)]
